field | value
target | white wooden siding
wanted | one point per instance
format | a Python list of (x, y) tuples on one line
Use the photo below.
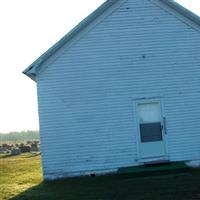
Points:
[(87, 93)]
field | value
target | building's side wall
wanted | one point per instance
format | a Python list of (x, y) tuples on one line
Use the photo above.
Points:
[(87, 94)]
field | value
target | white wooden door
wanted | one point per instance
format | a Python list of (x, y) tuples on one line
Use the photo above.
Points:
[(151, 130)]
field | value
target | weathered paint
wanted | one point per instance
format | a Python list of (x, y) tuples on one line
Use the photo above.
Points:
[(87, 92)]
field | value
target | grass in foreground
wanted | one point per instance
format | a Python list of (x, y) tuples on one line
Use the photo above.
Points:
[(18, 173), (22, 175)]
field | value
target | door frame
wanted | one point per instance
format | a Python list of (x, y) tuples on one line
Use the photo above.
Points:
[(164, 132)]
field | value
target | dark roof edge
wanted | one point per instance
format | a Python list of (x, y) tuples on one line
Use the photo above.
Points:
[(182, 10), (30, 71)]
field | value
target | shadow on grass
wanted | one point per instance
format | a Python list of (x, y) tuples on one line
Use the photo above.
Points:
[(116, 188), (6, 156), (26, 155), (31, 155)]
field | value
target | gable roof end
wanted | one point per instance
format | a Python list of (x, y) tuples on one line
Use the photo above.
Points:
[(31, 71)]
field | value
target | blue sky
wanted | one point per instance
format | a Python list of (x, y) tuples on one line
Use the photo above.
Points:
[(28, 28)]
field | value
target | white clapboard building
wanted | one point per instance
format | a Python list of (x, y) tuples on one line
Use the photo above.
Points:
[(121, 89)]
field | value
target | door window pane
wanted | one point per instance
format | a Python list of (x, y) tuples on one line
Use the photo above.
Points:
[(151, 132), (149, 112)]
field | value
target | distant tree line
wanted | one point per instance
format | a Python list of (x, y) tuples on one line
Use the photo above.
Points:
[(19, 136)]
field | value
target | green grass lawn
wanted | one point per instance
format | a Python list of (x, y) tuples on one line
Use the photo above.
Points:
[(20, 179), (18, 173)]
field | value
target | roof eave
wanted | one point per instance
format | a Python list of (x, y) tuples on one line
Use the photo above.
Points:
[(30, 73), (182, 10), (76, 30)]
